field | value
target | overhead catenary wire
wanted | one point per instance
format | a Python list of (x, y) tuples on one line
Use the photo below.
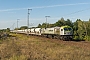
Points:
[(76, 12)]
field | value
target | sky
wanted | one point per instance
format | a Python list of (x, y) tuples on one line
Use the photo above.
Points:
[(12, 11)]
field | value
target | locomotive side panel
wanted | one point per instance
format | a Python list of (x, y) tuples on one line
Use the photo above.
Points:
[(32, 31), (38, 31)]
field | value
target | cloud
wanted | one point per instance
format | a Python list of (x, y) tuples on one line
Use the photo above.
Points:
[(60, 5), (44, 7), (12, 9)]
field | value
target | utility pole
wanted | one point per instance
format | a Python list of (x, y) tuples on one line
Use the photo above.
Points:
[(28, 20), (17, 23), (13, 26), (46, 20)]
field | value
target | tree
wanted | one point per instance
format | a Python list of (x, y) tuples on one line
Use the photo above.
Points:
[(51, 25), (44, 25), (8, 30), (60, 22), (80, 29), (23, 27), (69, 23), (39, 25)]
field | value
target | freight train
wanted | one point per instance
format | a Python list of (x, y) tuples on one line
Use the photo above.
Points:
[(62, 33)]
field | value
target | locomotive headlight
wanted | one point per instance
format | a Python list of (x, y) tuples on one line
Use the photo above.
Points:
[(68, 32), (64, 33)]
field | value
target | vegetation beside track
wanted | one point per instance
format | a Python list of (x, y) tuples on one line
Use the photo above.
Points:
[(23, 47)]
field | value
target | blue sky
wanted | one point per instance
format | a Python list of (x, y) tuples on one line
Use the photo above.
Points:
[(11, 10)]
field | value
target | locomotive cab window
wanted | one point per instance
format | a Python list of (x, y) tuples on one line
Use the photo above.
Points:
[(67, 29)]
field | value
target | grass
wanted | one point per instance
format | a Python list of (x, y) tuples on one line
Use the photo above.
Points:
[(21, 47)]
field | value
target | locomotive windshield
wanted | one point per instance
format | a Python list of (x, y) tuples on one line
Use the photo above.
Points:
[(67, 29)]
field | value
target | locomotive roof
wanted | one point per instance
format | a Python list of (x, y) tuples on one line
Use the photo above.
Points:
[(65, 26), (56, 27)]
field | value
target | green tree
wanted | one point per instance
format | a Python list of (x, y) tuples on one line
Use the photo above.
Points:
[(60, 22), (80, 29), (23, 27), (51, 25), (39, 26), (44, 25), (8, 30), (69, 23)]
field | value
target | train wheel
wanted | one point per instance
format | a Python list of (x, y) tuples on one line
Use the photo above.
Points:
[(52, 36), (61, 38)]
